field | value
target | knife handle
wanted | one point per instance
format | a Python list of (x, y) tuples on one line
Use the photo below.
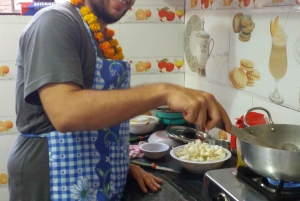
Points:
[(144, 164), (134, 139)]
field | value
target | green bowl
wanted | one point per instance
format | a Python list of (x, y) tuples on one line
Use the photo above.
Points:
[(170, 118)]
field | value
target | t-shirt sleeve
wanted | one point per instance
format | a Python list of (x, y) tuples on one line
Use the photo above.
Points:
[(50, 50)]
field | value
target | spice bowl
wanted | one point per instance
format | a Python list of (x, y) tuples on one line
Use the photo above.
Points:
[(154, 150)]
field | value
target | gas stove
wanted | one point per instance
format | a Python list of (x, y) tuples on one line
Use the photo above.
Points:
[(243, 184)]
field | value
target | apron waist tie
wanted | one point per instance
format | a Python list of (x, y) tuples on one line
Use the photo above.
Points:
[(43, 135)]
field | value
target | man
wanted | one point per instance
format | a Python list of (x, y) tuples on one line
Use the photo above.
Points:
[(73, 102)]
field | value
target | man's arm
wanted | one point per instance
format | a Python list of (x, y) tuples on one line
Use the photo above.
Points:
[(70, 108)]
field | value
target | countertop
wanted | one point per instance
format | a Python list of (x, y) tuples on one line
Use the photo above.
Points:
[(176, 186)]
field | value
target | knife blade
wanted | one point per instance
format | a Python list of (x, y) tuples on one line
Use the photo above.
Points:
[(153, 166)]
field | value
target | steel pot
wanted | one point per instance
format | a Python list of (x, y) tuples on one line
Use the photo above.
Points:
[(276, 164)]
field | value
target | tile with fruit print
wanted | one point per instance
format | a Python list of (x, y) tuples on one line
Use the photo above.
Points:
[(224, 4), (154, 14), (157, 65), (7, 70), (7, 125), (3, 177)]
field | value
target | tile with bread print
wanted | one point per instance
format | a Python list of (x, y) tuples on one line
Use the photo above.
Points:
[(275, 58), (245, 75)]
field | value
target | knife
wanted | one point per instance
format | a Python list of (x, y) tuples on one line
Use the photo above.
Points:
[(138, 138), (153, 166)]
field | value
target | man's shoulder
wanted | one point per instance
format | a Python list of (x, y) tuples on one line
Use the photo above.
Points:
[(58, 10)]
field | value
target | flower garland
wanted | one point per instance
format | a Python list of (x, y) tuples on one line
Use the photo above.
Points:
[(109, 48)]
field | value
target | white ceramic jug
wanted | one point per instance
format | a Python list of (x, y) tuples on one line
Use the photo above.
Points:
[(203, 48)]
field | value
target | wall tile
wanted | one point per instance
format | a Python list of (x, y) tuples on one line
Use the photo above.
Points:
[(234, 102), (154, 14), (177, 78), (258, 48), (280, 115), (216, 63), (157, 65), (152, 40)]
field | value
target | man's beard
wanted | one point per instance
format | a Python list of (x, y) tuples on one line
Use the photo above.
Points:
[(101, 12)]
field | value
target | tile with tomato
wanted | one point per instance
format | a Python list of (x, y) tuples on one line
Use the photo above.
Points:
[(157, 65), (168, 14)]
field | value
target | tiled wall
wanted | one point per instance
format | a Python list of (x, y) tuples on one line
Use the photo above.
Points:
[(228, 51), (152, 39)]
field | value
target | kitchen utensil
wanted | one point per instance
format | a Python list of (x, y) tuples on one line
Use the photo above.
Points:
[(199, 167), (142, 124), (138, 138), (153, 166), (243, 135), (177, 133), (277, 164), (289, 147), (163, 137), (154, 150)]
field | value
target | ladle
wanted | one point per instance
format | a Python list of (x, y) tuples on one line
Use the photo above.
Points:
[(289, 147), (243, 135)]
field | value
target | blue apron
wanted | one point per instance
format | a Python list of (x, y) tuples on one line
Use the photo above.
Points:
[(92, 165)]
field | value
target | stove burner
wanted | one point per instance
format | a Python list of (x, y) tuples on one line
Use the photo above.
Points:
[(287, 185), (266, 188)]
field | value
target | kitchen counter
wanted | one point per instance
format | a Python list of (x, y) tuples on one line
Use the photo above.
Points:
[(176, 186)]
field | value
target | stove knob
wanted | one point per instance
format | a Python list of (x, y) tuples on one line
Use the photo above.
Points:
[(221, 197)]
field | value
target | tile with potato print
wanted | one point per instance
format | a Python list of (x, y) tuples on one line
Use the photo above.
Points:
[(7, 125), (270, 52), (157, 65), (154, 14)]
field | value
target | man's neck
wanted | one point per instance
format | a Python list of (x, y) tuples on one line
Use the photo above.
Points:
[(100, 21)]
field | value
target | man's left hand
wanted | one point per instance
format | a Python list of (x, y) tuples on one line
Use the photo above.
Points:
[(144, 179)]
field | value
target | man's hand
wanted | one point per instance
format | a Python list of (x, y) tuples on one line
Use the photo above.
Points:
[(197, 107), (144, 179)]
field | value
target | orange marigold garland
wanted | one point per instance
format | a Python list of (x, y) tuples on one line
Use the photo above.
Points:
[(110, 48)]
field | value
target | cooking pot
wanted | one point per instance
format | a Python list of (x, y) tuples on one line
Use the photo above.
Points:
[(278, 164)]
